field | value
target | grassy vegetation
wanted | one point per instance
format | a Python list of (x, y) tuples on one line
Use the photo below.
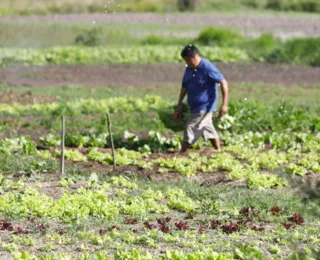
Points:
[(269, 94), (26, 164), (35, 35), (278, 5), (304, 51), (265, 100), (266, 48)]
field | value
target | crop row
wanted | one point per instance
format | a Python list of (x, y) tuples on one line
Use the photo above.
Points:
[(156, 142), (111, 55), (86, 106), (126, 254), (243, 115), (98, 202), (257, 170)]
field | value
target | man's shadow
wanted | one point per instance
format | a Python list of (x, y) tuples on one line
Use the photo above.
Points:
[(167, 119)]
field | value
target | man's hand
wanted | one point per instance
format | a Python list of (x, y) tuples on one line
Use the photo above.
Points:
[(176, 114), (223, 110)]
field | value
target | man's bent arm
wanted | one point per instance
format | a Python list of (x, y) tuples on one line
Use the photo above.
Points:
[(183, 93), (225, 95)]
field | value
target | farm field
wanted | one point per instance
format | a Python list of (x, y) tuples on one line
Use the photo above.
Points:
[(257, 199), (264, 184)]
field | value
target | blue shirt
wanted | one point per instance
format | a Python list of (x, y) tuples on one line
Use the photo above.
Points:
[(202, 87)]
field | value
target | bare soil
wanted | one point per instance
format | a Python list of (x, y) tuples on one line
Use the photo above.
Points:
[(152, 74), (284, 26), (11, 96)]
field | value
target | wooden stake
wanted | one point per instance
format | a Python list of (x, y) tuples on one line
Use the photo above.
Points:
[(112, 145), (62, 144)]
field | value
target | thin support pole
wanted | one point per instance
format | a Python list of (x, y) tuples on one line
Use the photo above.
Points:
[(62, 144), (111, 138)]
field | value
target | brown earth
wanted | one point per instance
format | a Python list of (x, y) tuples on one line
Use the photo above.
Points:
[(152, 74), (284, 26), (11, 96)]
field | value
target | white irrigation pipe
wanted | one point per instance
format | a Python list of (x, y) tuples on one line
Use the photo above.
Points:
[(62, 144)]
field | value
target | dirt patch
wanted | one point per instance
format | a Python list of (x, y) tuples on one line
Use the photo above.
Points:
[(208, 179), (281, 25), (152, 74), (10, 96), (129, 170)]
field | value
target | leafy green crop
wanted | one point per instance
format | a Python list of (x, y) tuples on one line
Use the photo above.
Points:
[(73, 155), (87, 106), (111, 55), (296, 169), (21, 144), (265, 181), (131, 220), (123, 182)]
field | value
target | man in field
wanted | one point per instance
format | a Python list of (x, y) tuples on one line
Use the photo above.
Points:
[(200, 83)]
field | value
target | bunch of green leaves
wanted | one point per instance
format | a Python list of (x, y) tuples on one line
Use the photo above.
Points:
[(21, 144), (72, 155)]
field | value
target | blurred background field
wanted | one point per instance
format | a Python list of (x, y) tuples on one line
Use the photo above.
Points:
[(27, 7), (289, 33)]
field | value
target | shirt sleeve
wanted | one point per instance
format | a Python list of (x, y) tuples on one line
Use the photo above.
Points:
[(214, 74)]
